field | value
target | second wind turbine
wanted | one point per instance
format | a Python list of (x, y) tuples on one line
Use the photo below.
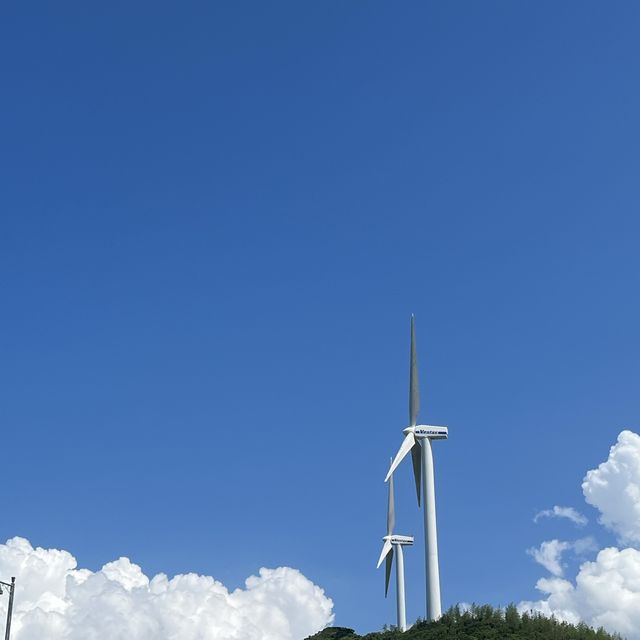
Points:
[(418, 440), (393, 543)]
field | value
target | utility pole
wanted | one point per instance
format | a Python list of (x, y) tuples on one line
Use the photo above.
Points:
[(12, 588)]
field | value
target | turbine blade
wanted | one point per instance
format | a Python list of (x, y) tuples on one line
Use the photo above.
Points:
[(405, 447), (387, 572), (385, 550), (414, 390), (391, 509), (416, 458)]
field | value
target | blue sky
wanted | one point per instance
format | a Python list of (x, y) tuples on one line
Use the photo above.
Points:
[(216, 220)]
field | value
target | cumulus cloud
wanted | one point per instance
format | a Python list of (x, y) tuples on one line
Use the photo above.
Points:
[(614, 488), (606, 593), (562, 512), (56, 600)]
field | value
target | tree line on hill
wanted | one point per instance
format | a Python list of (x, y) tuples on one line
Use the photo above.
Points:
[(479, 623)]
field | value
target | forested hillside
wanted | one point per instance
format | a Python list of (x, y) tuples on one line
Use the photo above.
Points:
[(479, 623)]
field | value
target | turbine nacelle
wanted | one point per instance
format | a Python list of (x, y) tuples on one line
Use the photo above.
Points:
[(428, 431), (394, 539)]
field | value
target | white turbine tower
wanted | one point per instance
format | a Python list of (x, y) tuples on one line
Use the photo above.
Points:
[(393, 544), (418, 440)]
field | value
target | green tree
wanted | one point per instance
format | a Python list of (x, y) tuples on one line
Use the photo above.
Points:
[(479, 622)]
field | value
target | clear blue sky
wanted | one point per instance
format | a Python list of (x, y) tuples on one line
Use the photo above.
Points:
[(216, 219)]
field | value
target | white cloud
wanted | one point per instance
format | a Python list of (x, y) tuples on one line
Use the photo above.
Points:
[(549, 553), (614, 488), (562, 512), (56, 600), (606, 593)]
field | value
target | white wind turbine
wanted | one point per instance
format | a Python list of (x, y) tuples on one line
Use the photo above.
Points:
[(393, 544), (418, 440)]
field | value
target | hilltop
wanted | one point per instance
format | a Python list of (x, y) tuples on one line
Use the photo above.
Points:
[(479, 623)]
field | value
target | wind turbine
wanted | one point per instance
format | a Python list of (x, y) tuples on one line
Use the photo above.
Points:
[(393, 544), (418, 440)]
